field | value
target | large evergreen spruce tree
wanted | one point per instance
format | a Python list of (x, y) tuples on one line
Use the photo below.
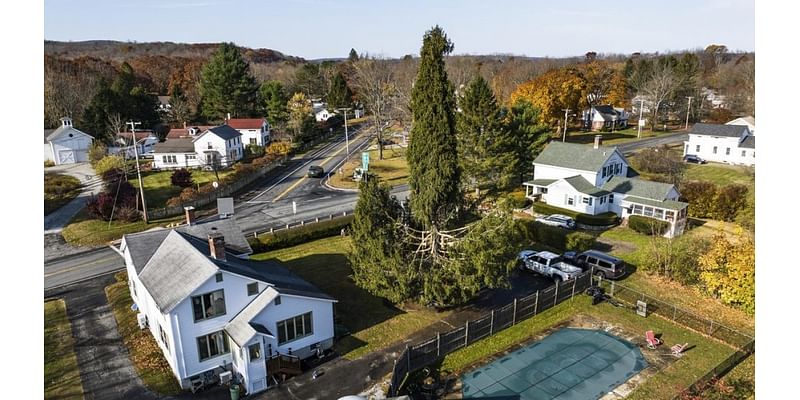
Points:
[(226, 85), (339, 94), (432, 159)]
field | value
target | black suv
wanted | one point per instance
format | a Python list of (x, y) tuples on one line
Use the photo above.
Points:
[(315, 171), (691, 158), (609, 267)]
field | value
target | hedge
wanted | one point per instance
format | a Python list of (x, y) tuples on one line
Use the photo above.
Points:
[(554, 237), (302, 234), (647, 225), (604, 219)]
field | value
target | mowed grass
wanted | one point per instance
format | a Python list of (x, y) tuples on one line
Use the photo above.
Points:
[(393, 169), (59, 189), (613, 138), (62, 378), (374, 323), (665, 384), (144, 352), (721, 174), (158, 186), (85, 231)]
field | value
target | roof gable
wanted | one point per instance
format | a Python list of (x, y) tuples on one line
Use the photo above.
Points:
[(175, 145), (240, 329), (65, 130), (224, 132), (639, 188), (580, 184), (576, 156)]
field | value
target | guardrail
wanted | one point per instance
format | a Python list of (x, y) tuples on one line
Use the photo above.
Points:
[(297, 224)]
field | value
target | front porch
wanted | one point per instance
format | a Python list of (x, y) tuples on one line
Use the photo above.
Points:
[(671, 211), (537, 188)]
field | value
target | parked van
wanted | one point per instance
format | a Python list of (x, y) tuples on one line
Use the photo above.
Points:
[(607, 266)]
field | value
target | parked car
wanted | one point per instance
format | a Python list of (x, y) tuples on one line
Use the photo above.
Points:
[(315, 171), (691, 158), (559, 220), (608, 266), (548, 264)]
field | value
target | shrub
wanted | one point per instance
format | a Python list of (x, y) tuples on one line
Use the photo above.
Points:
[(279, 149), (302, 234), (530, 231), (101, 206), (182, 178), (578, 241), (647, 225), (730, 199), (97, 152), (111, 178), (674, 258), (108, 163), (49, 163), (128, 214), (701, 196), (604, 219), (254, 150)]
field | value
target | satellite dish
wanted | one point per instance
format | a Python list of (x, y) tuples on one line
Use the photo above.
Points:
[(215, 184)]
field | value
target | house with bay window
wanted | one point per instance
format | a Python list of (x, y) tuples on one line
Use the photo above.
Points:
[(212, 311), (219, 146), (598, 179)]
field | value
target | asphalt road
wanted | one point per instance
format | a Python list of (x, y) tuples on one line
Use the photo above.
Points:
[(81, 266), (630, 147)]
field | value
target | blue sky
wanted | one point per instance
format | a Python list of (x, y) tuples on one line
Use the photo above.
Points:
[(329, 28)]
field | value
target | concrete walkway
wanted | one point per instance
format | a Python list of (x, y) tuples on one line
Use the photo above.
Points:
[(106, 370), (92, 185)]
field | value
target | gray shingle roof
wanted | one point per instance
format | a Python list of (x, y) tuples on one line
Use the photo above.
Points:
[(749, 142), (178, 145), (540, 182), (227, 227), (225, 132), (143, 245), (719, 130), (575, 156), (607, 112), (583, 186), (668, 204), (639, 188), (240, 329)]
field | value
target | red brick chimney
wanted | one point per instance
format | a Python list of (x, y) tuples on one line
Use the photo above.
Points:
[(216, 245), (598, 140), (189, 215)]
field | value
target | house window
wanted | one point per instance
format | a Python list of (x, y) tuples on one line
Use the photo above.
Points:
[(190, 157), (670, 215), (164, 338), (727, 151), (212, 345), (603, 200), (294, 328), (658, 213), (210, 146), (255, 352), (253, 141), (697, 149), (754, 154), (611, 198), (617, 168), (587, 200), (209, 305), (714, 150), (218, 276), (570, 201), (252, 288), (170, 159), (604, 172), (133, 287), (648, 211), (277, 300), (744, 153), (637, 209)]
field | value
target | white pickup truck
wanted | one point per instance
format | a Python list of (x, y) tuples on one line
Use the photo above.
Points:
[(547, 264)]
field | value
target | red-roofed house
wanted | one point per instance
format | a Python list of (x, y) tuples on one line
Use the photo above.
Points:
[(254, 130)]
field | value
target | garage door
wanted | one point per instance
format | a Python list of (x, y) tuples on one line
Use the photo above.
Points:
[(66, 157)]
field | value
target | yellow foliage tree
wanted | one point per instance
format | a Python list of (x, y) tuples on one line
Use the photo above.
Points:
[(553, 92), (728, 270)]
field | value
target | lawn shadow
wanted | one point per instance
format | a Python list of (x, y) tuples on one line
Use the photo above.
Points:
[(692, 223)]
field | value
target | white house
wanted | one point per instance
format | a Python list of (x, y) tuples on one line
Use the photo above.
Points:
[(145, 144), (605, 117), (219, 146), (749, 122), (731, 144), (254, 130), (66, 145), (597, 179), (212, 311)]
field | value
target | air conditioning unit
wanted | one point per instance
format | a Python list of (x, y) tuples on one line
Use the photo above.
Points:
[(225, 377), (142, 320)]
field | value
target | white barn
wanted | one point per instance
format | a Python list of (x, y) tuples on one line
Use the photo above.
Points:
[(66, 145), (212, 311)]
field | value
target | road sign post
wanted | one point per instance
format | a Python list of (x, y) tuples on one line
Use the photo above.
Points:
[(365, 161), (294, 207)]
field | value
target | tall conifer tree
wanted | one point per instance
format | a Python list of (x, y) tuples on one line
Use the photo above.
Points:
[(226, 85)]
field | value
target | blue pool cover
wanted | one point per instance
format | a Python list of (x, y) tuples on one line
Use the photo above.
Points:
[(574, 364)]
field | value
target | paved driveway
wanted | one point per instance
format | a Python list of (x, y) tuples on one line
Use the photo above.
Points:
[(92, 185)]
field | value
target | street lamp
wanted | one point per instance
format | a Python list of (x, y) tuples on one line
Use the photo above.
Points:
[(346, 137)]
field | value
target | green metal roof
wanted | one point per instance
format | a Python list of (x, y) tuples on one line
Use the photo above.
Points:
[(667, 204), (540, 182), (582, 185), (638, 188), (575, 156)]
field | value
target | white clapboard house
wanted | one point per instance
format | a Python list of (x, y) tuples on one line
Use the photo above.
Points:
[(215, 313), (598, 179), (218, 146), (254, 130), (730, 144)]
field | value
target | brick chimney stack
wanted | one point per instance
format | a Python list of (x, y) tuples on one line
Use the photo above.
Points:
[(190, 218), (216, 245), (598, 140)]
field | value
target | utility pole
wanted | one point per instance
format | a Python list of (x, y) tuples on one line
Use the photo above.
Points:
[(641, 107), (566, 118), (688, 110), (138, 170), (346, 137)]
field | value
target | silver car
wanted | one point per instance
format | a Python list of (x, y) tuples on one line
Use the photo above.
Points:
[(559, 220)]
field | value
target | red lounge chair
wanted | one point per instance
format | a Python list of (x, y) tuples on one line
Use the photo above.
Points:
[(677, 350), (652, 340)]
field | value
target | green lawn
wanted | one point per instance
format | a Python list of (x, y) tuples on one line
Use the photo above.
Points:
[(144, 352), (62, 378), (721, 174), (613, 138), (665, 384), (158, 186), (374, 323), (393, 169), (85, 231), (59, 189)]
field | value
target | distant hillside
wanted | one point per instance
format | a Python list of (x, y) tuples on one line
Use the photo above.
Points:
[(111, 50)]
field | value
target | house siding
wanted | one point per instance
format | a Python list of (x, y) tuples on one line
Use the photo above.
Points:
[(77, 145), (551, 172), (707, 144)]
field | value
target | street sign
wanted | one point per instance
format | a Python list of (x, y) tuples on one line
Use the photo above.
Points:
[(641, 308), (365, 161)]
